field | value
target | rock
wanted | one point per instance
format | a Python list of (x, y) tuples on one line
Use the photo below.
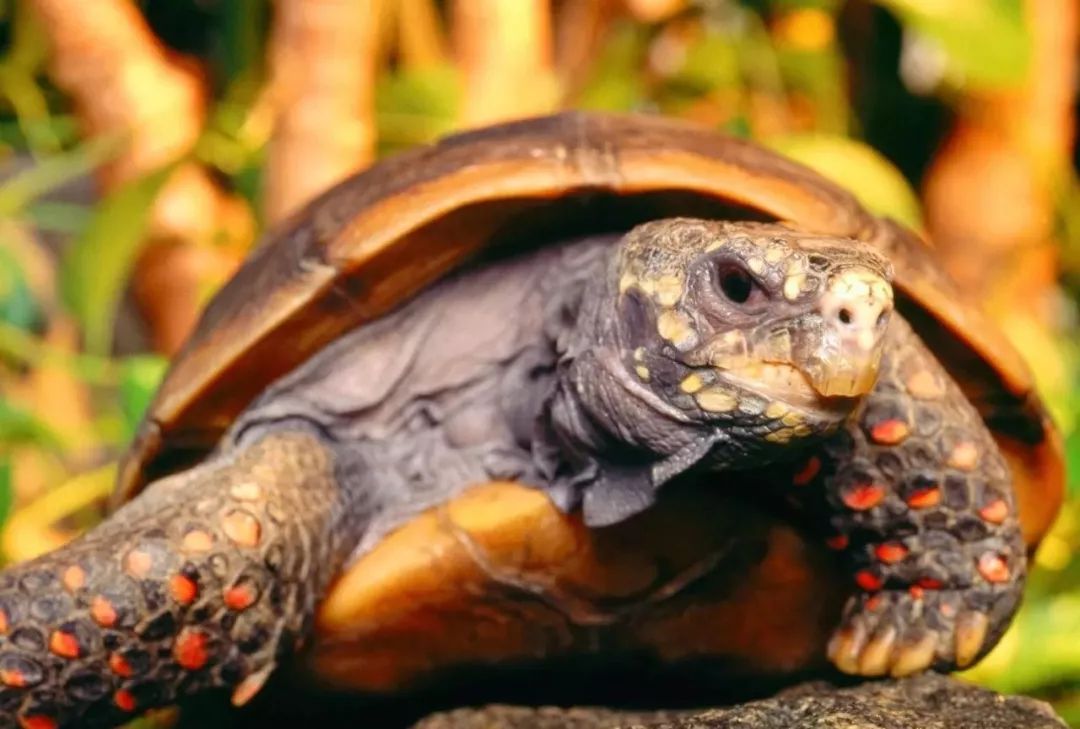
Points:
[(923, 702)]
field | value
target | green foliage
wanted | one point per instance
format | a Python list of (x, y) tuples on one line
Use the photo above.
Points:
[(96, 268), (7, 486), (17, 305), (858, 167), (986, 42), (139, 378), (19, 426), (415, 105)]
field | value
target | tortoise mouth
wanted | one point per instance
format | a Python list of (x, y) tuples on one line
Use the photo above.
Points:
[(785, 383)]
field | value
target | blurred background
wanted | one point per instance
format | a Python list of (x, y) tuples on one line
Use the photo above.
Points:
[(145, 145)]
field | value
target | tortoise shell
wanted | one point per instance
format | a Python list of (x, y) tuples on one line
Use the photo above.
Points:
[(373, 241)]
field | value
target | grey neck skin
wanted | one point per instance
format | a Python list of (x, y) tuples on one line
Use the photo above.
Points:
[(605, 440)]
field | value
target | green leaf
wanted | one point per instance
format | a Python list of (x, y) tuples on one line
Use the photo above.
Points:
[(47, 174), (416, 105), (17, 305), (615, 81), (6, 492), (21, 427), (986, 41), (139, 378), (858, 167), (96, 267)]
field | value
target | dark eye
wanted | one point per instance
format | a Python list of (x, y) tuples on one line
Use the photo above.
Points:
[(736, 284)]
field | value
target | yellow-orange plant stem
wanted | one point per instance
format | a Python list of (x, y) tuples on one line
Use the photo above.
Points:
[(323, 56), (126, 85), (504, 51)]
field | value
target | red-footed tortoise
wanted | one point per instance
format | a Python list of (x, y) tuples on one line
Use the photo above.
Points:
[(427, 424)]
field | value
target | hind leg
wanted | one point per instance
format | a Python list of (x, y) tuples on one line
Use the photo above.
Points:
[(919, 501)]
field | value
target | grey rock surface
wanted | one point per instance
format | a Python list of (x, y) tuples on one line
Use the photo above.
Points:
[(923, 702)]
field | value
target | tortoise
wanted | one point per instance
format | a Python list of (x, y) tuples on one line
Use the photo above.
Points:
[(587, 385)]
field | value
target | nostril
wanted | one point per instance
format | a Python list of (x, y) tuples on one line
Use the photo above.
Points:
[(882, 318), (845, 316)]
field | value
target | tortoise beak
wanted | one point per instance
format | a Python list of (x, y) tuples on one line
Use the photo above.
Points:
[(855, 311)]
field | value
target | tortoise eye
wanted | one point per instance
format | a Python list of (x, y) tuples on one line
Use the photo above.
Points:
[(736, 284)]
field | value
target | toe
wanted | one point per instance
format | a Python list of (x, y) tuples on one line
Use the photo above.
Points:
[(914, 655), (971, 628), (878, 652)]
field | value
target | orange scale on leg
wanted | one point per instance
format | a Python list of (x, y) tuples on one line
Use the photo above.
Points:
[(120, 666), (138, 563), (103, 612), (924, 498), (889, 432), (64, 644), (74, 578), (190, 649), (124, 700), (37, 721), (863, 496)]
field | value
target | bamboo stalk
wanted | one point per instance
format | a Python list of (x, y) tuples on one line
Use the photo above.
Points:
[(323, 56)]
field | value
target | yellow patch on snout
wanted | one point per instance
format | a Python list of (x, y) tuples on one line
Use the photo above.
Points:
[(675, 328), (793, 286), (775, 254), (716, 401), (669, 289), (691, 384)]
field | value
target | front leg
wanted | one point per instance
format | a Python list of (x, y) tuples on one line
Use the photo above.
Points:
[(920, 502)]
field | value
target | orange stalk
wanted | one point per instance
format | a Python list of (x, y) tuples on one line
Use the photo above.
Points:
[(505, 54), (126, 85), (991, 191), (323, 56), (654, 11)]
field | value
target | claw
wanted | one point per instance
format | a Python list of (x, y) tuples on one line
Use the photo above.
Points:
[(914, 657), (251, 685), (970, 633), (845, 647), (875, 656)]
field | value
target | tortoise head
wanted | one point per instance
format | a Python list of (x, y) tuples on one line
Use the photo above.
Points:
[(770, 331)]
